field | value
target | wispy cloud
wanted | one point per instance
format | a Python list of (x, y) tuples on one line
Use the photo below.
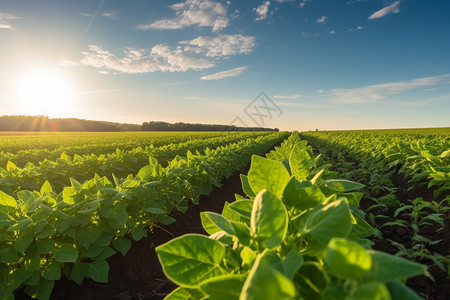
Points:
[(68, 63), (295, 96), (221, 45), (225, 74), (391, 9), (4, 21), (262, 11), (198, 54), (111, 14), (332, 32), (93, 16), (322, 19), (303, 3), (372, 93), (203, 13)]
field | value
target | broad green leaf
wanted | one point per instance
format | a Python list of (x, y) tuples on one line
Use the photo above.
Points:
[(98, 271), (191, 259), (138, 233), (86, 237), (342, 185), (288, 265), (246, 186), (347, 259), (78, 272), (66, 253), (386, 267), (268, 174), (69, 194), (299, 163), (122, 245), (52, 272), (226, 287), (7, 203), (266, 283), (46, 188), (370, 291), (333, 220), (8, 255), (20, 225), (182, 293), (44, 289), (242, 207), (302, 198), (361, 228), (269, 220), (311, 280), (221, 222), (400, 291), (209, 226)]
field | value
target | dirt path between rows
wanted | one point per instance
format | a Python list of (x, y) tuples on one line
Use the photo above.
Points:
[(138, 275)]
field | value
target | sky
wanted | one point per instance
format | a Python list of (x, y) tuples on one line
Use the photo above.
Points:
[(293, 65)]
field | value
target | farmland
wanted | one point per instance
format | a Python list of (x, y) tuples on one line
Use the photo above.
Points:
[(317, 214)]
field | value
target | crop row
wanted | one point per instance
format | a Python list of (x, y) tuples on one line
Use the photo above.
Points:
[(35, 148), (82, 167), (422, 161), (298, 234), (44, 234)]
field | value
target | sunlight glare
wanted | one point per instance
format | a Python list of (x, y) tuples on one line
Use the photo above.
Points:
[(43, 92)]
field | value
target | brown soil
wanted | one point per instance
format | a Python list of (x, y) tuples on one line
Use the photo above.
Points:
[(138, 275)]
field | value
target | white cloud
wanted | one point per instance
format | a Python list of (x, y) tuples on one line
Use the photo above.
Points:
[(225, 74), (320, 91), (4, 23), (372, 93), (360, 27), (393, 8), (204, 13), (321, 19), (262, 11), (303, 3), (159, 58), (67, 63), (86, 15), (221, 45), (200, 53), (111, 14), (332, 32), (295, 96)]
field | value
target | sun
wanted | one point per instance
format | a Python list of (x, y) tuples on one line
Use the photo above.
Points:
[(43, 92)]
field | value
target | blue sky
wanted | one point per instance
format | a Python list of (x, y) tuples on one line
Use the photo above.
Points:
[(323, 64)]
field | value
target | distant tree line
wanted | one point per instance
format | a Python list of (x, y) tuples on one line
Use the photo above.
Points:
[(44, 123), (180, 126)]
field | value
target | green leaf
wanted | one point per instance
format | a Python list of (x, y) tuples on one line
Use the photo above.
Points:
[(303, 198), (52, 272), (347, 259), (182, 293), (78, 272), (208, 224), (138, 233), (66, 253), (221, 222), (342, 185), (20, 225), (69, 194), (370, 291), (146, 173), (299, 163), (268, 174), (98, 271), (7, 203), (242, 207), (246, 186), (400, 291), (8, 255), (269, 220), (288, 265), (45, 289), (226, 287), (386, 267), (122, 245), (333, 220), (191, 259), (266, 283), (46, 188), (311, 280)]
